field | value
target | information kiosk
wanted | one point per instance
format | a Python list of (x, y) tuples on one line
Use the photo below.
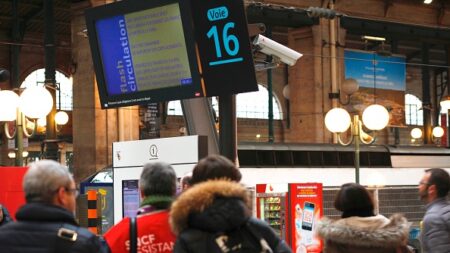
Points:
[(182, 153)]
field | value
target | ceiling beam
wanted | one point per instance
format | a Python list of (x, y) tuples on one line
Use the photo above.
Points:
[(396, 30)]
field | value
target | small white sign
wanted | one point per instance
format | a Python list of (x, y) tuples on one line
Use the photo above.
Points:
[(12, 143)]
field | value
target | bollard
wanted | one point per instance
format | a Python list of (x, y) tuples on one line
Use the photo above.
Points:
[(92, 211)]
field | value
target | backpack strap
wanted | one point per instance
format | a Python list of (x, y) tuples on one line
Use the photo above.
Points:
[(265, 247), (133, 235)]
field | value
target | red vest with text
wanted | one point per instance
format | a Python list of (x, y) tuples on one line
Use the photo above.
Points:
[(154, 234)]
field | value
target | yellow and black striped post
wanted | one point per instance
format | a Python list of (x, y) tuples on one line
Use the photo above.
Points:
[(92, 211)]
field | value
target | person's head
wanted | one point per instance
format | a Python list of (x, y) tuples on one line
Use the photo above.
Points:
[(49, 182), (354, 200), (158, 179), (215, 167), (185, 182), (435, 183)]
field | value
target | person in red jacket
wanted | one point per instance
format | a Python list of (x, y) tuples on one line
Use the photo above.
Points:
[(158, 188)]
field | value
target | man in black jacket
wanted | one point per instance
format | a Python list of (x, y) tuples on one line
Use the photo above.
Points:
[(46, 222)]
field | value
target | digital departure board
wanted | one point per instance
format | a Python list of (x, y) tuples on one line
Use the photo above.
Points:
[(162, 50)]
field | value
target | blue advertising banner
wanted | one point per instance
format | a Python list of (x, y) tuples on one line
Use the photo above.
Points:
[(374, 71), (381, 79)]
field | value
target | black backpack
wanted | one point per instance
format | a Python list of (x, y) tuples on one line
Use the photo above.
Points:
[(244, 239)]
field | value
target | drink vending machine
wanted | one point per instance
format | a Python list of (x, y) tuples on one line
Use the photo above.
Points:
[(292, 210)]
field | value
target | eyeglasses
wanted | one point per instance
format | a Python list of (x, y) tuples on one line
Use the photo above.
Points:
[(74, 191)]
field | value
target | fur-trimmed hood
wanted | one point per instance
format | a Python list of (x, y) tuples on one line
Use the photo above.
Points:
[(215, 205), (376, 231)]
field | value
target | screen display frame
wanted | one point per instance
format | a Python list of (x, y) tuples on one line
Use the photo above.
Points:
[(128, 192), (146, 96)]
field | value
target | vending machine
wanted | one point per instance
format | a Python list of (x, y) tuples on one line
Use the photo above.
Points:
[(292, 210), (271, 206)]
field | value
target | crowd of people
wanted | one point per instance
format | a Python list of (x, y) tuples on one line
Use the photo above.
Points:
[(211, 213)]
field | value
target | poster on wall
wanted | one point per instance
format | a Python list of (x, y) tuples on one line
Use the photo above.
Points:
[(306, 209), (381, 79)]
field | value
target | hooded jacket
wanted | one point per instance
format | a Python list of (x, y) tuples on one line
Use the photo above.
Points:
[(213, 207), (364, 234)]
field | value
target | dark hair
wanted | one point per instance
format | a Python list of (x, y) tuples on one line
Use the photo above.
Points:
[(158, 179), (354, 200), (441, 179), (186, 180), (215, 167)]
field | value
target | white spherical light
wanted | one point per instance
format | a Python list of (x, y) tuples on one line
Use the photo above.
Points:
[(438, 132), (416, 133), (337, 120), (375, 117), (36, 102), (349, 86), (61, 118), (9, 101), (287, 92)]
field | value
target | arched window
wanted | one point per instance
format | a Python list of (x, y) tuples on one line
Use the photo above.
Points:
[(64, 96), (253, 105), (413, 110)]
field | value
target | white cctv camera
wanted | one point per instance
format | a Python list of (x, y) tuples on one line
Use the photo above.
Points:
[(273, 48)]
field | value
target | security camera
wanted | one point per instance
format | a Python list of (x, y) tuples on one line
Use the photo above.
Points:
[(273, 48)]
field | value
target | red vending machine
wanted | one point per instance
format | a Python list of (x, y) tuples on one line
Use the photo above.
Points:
[(292, 210)]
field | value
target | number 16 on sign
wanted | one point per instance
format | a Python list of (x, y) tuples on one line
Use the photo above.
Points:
[(225, 42)]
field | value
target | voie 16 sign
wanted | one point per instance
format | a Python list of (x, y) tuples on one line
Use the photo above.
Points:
[(162, 50), (221, 34)]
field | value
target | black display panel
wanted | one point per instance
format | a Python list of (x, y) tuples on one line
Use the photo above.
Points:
[(153, 51), (221, 33), (143, 51)]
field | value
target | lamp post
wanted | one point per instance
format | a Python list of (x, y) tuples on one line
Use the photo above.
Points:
[(337, 120), (33, 103)]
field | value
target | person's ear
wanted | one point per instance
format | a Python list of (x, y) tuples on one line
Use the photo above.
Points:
[(432, 189), (142, 193), (60, 197)]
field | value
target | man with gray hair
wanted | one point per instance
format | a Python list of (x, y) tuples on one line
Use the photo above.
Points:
[(46, 222), (157, 185)]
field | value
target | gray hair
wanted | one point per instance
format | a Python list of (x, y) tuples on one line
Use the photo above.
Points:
[(42, 180), (158, 179)]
